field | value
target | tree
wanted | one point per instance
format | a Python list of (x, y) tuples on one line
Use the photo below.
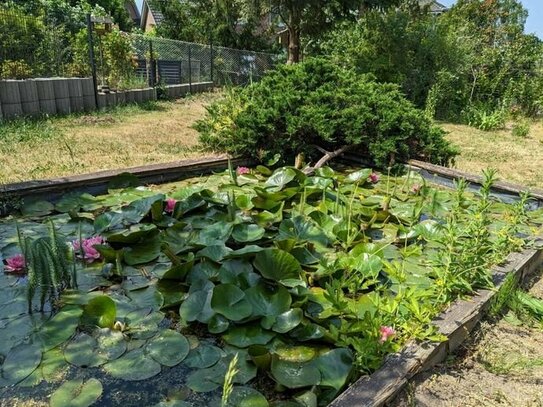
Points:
[(310, 18)]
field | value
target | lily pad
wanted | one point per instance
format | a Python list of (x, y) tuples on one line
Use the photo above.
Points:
[(133, 366), (247, 335), (230, 301), (268, 300), (20, 362), (277, 265), (100, 311), (77, 393), (247, 233), (169, 348)]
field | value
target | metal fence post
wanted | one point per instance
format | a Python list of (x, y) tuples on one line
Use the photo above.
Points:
[(190, 71), (91, 59), (152, 69), (211, 54)]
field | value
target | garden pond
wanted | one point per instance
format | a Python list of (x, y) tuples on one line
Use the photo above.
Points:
[(250, 287)]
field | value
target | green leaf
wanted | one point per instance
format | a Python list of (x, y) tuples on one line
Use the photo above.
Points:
[(281, 177), (197, 307), (277, 265), (169, 348), (216, 252), (20, 362), (60, 328), (216, 234), (335, 367), (294, 375), (230, 301), (131, 235), (302, 230), (82, 352), (100, 311), (247, 335), (358, 176), (287, 321), (133, 366), (247, 233), (268, 300), (77, 393), (246, 397), (144, 252), (37, 208), (203, 356)]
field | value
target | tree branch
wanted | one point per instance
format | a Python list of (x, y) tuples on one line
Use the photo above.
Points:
[(328, 155)]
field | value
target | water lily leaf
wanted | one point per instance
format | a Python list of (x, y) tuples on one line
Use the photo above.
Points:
[(169, 348), (230, 301), (148, 298), (287, 321), (137, 210), (429, 229), (131, 235), (82, 352), (281, 177), (246, 397), (58, 329), (173, 403), (77, 393), (247, 335), (247, 233), (143, 323), (215, 252), (302, 230), (20, 362), (197, 307), (179, 272), (215, 234), (144, 252), (100, 311), (294, 375), (133, 366), (335, 367), (277, 265), (268, 300), (244, 202), (204, 380), (111, 343), (369, 265), (203, 356), (37, 208), (218, 324), (358, 176), (108, 220), (307, 399), (246, 251)]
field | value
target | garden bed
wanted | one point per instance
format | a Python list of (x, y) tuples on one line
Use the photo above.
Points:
[(307, 279)]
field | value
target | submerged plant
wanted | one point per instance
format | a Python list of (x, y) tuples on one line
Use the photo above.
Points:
[(50, 269)]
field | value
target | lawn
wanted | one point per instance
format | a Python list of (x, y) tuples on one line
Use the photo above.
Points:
[(518, 160), (126, 136)]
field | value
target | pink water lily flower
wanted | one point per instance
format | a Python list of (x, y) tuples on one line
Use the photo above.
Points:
[(416, 188), (15, 264), (387, 333), (373, 178), (170, 205), (90, 254), (243, 170)]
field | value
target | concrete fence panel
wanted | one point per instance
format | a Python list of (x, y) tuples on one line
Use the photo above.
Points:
[(30, 101), (75, 88), (11, 99), (46, 96), (62, 95)]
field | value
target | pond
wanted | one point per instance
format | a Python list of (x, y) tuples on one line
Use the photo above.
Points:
[(250, 287)]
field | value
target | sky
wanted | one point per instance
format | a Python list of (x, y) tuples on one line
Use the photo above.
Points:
[(533, 25)]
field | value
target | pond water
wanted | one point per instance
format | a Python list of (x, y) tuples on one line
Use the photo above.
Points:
[(285, 283)]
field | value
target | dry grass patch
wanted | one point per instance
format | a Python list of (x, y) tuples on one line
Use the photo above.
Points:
[(518, 160), (123, 137)]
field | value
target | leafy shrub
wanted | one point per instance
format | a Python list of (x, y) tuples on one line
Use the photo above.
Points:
[(15, 70), (317, 103), (484, 119), (521, 129)]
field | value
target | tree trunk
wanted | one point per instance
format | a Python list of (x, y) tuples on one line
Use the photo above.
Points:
[(294, 37)]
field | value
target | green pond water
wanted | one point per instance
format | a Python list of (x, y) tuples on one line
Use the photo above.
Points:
[(289, 274)]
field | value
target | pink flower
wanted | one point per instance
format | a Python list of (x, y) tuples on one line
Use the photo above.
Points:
[(90, 254), (15, 264), (386, 332), (416, 188), (170, 205), (373, 178), (243, 170)]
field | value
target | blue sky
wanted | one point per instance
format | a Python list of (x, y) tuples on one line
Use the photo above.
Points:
[(533, 25)]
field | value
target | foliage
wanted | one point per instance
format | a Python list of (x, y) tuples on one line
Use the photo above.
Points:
[(318, 103), (15, 70), (474, 54), (483, 119), (521, 129), (297, 275)]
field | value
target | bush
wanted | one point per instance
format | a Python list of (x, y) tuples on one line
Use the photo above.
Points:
[(484, 118), (15, 70), (317, 103), (521, 129)]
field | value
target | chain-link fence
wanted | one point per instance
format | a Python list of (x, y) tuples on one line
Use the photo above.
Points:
[(31, 47), (169, 62)]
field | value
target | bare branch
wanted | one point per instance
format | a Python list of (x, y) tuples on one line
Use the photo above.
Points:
[(328, 155)]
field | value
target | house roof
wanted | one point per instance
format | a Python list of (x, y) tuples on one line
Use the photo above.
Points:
[(434, 6), (130, 6)]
